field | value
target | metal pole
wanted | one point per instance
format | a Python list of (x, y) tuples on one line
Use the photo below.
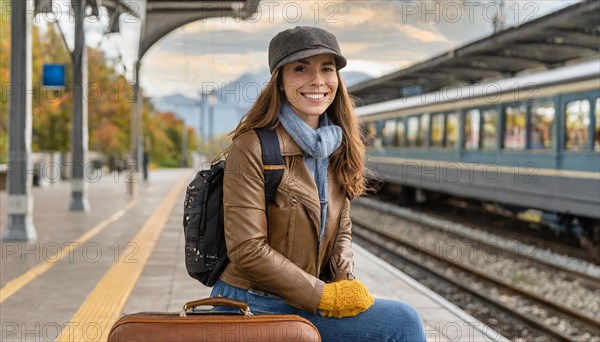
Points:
[(183, 144), (498, 20), (20, 201), (133, 132), (211, 110), (212, 101), (146, 156), (205, 125), (200, 125), (79, 130), (140, 132)]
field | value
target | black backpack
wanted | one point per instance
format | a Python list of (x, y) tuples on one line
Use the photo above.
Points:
[(205, 249)]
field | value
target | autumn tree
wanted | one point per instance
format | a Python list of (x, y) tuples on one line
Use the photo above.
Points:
[(109, 98), (166, 132), (51, 108), (4, 78)]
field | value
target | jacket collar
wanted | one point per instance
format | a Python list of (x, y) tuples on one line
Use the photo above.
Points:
[(287, 145)]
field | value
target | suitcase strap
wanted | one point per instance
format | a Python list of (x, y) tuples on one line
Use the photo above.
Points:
[(216, 301)]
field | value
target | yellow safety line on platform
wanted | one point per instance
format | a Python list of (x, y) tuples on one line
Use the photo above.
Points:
[(104, 304), (19, 282)]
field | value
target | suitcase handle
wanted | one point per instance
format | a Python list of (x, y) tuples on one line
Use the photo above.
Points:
[(217, 301)]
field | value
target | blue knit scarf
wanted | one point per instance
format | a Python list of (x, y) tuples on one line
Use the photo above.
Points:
[(317, 146)]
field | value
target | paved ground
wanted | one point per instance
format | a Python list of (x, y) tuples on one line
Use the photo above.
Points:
[(126, 256), (45, 304)]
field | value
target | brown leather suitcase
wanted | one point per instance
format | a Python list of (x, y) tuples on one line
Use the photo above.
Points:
[(212, 326)]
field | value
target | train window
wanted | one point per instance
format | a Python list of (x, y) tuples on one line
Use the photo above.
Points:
[(370, 132), (542, 120), (597, 128), (437, 130), (451, 129), (490, 129), (472, 129), (514, 129), (577, 124), (423, 139), (400, 133), (389, 133), (412, 133)]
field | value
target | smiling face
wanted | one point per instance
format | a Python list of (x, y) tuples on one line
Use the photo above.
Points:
[(310, 86)]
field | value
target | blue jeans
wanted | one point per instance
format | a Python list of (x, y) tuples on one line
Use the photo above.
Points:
[(386, 320)]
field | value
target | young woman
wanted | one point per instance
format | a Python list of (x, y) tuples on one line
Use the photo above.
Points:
[(295, 256)]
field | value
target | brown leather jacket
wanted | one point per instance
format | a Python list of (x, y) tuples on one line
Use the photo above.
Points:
[(283, 257)]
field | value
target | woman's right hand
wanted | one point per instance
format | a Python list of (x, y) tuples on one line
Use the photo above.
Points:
[(345, 298)]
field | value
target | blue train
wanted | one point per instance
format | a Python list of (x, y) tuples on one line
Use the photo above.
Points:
[(526, 142)]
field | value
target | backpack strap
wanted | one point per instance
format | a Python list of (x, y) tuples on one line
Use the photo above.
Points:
[(272, 161)]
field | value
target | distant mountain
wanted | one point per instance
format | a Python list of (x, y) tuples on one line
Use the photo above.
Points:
[(232, 101), (174, 101), (354, 77)]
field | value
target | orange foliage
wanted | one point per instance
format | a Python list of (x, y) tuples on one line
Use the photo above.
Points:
[(109, 103)]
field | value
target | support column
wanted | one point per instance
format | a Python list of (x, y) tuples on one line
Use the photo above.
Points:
[(183, 163), (79, 130), (140, 118), (211, 114), (20, 177)]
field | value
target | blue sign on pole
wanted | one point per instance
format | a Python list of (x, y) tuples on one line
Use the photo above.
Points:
[(54, 76)]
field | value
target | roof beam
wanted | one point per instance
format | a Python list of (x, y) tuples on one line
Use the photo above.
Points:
[(440, 76), (471, 72), (568, 34), (573, 37), (193, 5), (552, 46), (544, 52), (162, 17), (124, 6), (537, 26), (505, 64)]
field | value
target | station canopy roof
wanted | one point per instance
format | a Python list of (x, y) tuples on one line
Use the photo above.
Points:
[(567, 35), (163, 16), (160, 17)]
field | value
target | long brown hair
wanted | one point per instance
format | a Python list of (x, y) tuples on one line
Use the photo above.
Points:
[(347, 161)]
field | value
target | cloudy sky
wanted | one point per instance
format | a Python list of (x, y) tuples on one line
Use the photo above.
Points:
[(376, 37)]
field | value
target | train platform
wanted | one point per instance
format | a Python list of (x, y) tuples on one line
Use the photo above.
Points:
[(126, 255)]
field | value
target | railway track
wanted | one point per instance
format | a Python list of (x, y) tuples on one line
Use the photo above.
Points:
[(534, 233), (589, 280), (580, 326), (531, 252)]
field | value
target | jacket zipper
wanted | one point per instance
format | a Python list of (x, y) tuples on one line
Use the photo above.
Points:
[(339, 223), (302, 200), (289, 250), (308, 207)]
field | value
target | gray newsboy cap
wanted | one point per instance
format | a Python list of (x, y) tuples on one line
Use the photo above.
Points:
[(302, 42)]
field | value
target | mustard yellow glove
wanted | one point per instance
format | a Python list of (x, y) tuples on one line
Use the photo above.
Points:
[(341, 313), (345, 298)]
